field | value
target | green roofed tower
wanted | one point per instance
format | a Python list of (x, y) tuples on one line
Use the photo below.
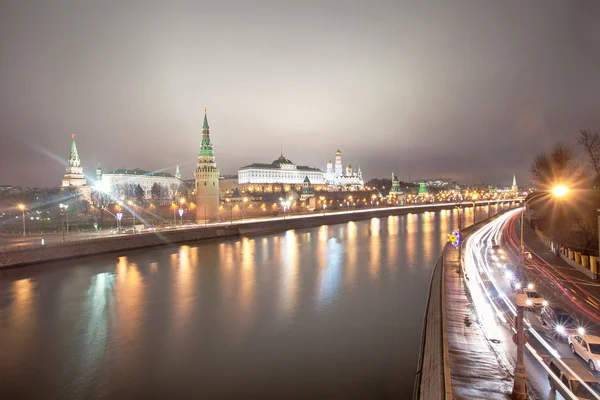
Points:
[(73, 171), (207, 178)]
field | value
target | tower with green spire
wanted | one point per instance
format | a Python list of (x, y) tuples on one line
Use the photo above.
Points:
[(396, 195), (207, 178), (515, 187), (73, 171), (177, 171)]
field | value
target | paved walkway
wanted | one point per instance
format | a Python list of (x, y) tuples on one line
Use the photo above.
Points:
[(475, 369)]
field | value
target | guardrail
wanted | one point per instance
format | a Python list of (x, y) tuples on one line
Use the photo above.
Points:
[(433, 376)]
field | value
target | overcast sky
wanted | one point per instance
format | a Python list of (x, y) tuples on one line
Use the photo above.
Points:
[(469, 90)]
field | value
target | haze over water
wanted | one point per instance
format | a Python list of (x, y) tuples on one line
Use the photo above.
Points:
[(329, 312)]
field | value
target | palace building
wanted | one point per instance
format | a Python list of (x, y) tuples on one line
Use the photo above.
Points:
[(280, 175), (115, 182), (283, 175)]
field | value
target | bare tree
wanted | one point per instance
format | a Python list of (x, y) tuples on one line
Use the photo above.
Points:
[(555, 165), (591, 142)]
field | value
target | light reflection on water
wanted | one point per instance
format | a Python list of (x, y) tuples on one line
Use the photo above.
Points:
[(316, 312)]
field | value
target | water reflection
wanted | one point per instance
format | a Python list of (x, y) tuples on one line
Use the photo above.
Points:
[(330, 277), (352, 250), (266, 315), (374, 248), (289, 288)]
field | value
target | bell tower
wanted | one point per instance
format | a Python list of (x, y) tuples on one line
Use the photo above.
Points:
[(207, 179)]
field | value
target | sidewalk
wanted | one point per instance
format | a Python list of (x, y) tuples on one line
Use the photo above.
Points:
[(537, 246), (475, 369)]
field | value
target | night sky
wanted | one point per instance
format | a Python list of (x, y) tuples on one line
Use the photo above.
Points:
[(469, 90)]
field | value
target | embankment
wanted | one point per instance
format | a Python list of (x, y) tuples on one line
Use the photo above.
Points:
[(31, 255)]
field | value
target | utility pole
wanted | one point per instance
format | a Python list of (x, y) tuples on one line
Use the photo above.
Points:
[(460, 270), (62, 222)]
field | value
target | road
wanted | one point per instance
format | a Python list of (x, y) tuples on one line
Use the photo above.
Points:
[(18, 242), (495, 302)]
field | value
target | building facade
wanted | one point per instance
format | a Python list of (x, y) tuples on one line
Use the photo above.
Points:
[(281, 173), (207, 179), (119, 182), (338, 178)]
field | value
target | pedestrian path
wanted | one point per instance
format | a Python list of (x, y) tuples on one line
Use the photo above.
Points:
[(475, 370)]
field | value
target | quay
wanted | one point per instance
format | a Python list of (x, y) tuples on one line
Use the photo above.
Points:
[(19, 256)]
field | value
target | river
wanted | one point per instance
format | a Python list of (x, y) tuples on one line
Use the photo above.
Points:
[(329, 312)]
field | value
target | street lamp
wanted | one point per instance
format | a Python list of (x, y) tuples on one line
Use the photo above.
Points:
[(520, 383), (181, 203), (132, 213), (22, 208), (474, 199), (119, 217), (244, 207), (63, 211)]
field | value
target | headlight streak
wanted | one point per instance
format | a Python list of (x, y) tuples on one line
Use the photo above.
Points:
[(478, 264)]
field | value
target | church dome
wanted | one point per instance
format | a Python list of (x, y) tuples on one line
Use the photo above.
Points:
[(282, 160), (338, 152)]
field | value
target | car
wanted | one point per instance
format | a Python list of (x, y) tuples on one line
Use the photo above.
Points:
[(571, 381), (534, 299), (587, 347), (559, 321)]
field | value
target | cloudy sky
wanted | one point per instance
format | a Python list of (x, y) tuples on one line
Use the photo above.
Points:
[(470, 90)]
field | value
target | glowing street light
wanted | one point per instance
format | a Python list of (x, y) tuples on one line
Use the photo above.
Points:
[(22, 208), (560, 191)]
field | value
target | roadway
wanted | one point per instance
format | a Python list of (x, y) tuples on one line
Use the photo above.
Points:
[(494, 302)]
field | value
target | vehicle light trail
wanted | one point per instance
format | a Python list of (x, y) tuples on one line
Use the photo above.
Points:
[(477, 265)]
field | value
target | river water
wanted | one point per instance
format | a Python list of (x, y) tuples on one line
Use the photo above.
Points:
[(328, 312)]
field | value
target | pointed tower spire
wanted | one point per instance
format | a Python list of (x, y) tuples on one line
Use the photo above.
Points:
[(74, 160), (514, 180), (206, 147), (205, 125), (177, 171)]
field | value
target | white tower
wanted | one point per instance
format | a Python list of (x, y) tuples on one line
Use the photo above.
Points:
[(329, 173), (339, 169), (515, 187), (207, 179)]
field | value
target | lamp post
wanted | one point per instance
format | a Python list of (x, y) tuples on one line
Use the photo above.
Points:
[(519, 391), (63, 211), (119, 217), (22, 208), (174, 216), (244, 207), (474, 199), (181, 203), (460, 237), (132, 213)]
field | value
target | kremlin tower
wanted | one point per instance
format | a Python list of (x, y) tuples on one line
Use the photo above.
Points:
[(207, 179), (74, 172)]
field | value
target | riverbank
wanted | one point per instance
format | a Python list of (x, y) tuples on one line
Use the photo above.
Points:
[(60, 251)]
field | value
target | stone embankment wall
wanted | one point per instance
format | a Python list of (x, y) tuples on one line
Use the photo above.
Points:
[(582, 262), (27, 255)]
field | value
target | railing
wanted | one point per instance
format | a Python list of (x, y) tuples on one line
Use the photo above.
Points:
[(433, 375)]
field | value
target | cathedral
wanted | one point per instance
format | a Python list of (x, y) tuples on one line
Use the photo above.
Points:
[(207, 179), (338, 178)]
